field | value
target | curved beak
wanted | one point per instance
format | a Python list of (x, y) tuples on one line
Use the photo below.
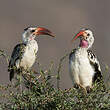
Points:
[(43, 31), (81, 33)]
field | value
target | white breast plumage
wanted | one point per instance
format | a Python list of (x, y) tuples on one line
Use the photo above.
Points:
[(84, 68), (81, 69), (29, 55)]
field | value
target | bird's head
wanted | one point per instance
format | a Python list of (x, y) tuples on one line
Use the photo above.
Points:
[(86, 38), (31, 32)]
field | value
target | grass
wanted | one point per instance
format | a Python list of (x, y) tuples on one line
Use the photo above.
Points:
[(39, 94)]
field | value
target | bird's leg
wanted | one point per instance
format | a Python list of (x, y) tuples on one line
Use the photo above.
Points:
[(77, 86), (81, 86)]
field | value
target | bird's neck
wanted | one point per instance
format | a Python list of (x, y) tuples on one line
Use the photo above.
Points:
[(29, 41), (82, 48), (81, 52), (32, 45)]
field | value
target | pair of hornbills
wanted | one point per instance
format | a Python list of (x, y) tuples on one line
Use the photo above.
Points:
[(83, 64)]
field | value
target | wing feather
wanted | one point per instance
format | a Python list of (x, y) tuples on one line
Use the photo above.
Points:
[(16, 55), (95, 63)]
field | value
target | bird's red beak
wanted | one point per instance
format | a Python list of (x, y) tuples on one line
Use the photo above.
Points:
[(78, 35), (43, 31)]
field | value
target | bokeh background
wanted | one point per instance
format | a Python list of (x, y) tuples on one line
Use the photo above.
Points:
[(62, 17)]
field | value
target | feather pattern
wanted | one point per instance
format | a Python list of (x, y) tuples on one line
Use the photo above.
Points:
[(17, 55), (84, 67), (95, 63)]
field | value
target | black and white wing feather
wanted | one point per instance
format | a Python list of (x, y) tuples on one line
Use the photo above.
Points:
[(16, 55), (95, 63)]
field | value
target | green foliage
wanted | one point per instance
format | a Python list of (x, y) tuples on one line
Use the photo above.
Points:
[(39, 94), (36, 92)]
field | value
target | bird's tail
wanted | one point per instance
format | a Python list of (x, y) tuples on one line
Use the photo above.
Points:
[(11, 74)]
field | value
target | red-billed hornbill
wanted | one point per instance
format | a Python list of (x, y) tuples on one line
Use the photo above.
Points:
[(24, 54), (83, 64)]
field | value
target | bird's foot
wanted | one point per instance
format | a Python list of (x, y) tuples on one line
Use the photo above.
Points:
[(76, 86), (88, 89)]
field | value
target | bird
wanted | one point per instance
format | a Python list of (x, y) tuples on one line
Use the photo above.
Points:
[(84, 67), (24, 54)]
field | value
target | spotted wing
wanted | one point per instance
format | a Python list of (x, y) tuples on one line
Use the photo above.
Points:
[(95, 63), (16, 55)]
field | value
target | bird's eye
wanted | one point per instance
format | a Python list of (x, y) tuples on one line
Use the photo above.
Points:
[(32, 30), (88, 34)]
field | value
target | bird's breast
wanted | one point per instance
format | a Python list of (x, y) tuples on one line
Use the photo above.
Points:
[(29, 55), (82, 64)]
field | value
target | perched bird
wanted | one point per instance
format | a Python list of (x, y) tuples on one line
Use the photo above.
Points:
[(24, 54), (83, 64)]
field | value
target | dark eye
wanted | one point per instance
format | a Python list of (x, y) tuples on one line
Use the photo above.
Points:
[(32, 30), (88, 34)]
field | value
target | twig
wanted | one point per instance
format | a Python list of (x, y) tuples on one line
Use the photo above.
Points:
[(59, 69), (3, 53)]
